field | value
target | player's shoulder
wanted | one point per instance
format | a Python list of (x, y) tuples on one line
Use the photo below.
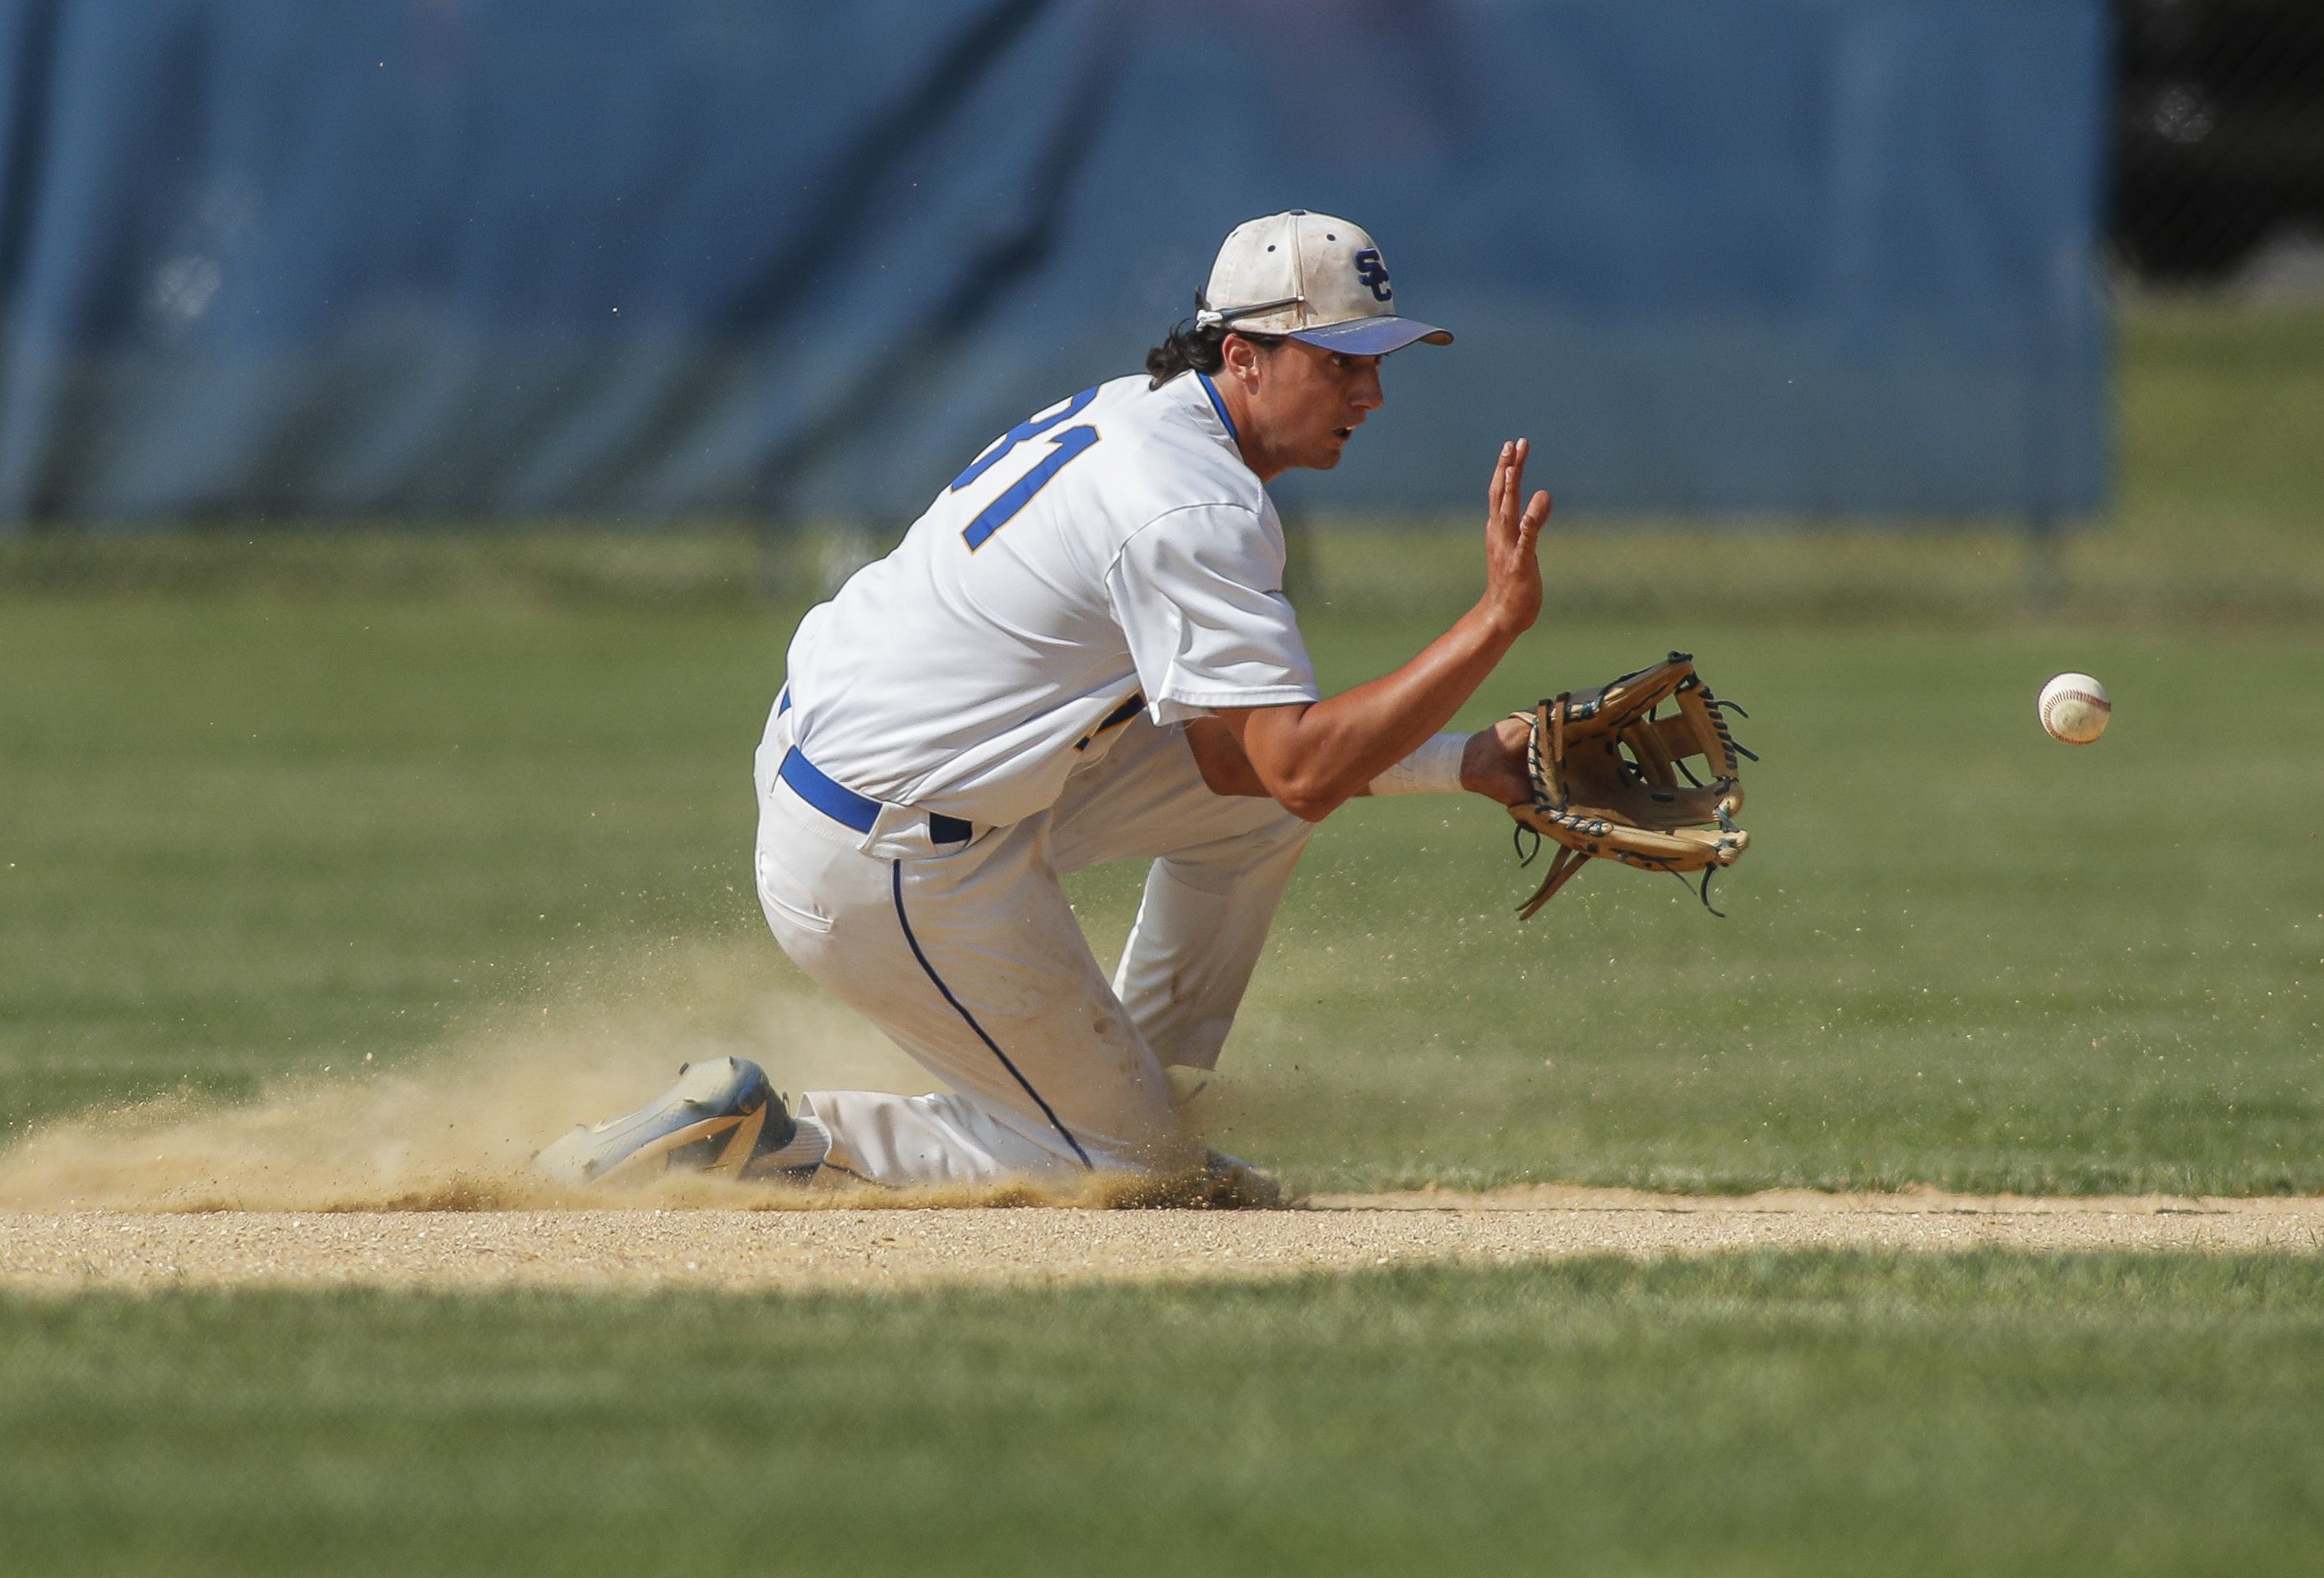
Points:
[(1170, 448)]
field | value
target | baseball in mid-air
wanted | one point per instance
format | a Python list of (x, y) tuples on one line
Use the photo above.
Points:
[(2075, 708)]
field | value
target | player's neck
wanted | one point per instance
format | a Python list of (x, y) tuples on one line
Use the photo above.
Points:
[(1249, 431)]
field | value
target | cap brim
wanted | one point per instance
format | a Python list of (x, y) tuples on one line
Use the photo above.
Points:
[(1372, 337)]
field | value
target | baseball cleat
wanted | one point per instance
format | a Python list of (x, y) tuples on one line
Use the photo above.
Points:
[(718, 1117), (1254, 1183)]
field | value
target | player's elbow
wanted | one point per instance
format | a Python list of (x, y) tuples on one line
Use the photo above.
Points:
[(1292, 769), (1308, 800)]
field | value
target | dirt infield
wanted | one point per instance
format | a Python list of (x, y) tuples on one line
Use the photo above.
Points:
[(393, 1181), (772, 1249)]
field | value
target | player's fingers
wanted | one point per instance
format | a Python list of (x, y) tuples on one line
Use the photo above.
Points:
[(1517, 526), (1512, 498), (1536, 516)]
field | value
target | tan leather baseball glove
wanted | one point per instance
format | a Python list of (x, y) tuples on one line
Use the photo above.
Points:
[(1605, 773)]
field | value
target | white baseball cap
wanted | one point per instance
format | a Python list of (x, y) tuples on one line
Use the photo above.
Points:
[(1314, 278)]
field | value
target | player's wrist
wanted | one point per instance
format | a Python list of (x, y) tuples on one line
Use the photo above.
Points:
[(1436, 768), (1493, 765), (1505, 619)]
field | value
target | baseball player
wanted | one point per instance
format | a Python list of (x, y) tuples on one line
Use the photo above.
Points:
[(1082, 652)]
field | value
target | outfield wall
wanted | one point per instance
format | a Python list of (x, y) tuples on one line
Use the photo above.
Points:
[(501, 258)]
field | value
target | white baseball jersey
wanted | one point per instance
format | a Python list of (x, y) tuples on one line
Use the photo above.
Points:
[(1110, 553)]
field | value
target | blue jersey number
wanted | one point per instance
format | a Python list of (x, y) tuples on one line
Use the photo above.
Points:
[(1066, 445)]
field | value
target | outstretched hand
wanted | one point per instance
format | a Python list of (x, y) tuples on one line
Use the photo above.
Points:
[(1512, 599)]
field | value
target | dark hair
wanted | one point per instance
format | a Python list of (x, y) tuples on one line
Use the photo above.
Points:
[(1190, 348)]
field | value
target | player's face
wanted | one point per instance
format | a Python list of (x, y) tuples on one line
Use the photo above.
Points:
[(1304, 403)]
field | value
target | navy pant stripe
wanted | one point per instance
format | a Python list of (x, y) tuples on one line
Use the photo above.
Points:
[(896, 871)]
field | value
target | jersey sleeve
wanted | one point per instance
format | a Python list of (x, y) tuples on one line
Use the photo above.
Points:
[(1198, 594)]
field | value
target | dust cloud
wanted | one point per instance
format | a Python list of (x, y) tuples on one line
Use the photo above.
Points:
[(455, 1128)]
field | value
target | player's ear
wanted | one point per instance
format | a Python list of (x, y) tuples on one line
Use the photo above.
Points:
[(1239, 354)]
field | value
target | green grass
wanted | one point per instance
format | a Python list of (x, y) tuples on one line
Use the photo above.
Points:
[(258, 835), (274, 804), (271, 805), (252, 838), (1805, 1414), (1957, 953)]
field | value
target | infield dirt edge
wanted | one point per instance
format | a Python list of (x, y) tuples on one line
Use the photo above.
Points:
[(762, 1250)]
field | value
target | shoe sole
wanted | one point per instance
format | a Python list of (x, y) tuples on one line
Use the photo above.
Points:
[(731, 1157), (579, 1157)]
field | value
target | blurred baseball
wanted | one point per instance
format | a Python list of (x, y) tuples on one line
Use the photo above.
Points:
[(2075, 708)]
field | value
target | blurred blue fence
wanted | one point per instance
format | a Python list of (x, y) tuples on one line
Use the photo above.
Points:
[(468, 258)]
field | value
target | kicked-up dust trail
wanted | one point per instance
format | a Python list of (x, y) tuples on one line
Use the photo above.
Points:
[(456, 1127)]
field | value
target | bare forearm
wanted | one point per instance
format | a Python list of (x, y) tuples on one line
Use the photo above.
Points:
[(1315, 758)]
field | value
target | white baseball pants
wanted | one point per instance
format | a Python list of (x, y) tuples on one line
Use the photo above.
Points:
[(971, 960)]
